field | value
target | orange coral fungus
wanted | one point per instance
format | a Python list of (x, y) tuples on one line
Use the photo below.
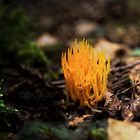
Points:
[(85, 70)]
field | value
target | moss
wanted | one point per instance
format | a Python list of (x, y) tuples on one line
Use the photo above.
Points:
[(16, 37)]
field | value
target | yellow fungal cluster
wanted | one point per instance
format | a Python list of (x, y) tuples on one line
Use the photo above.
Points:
[(85, 70)]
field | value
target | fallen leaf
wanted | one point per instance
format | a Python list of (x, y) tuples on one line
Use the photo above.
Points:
[(120, 130), (107, 97), (112, 49), (78, 120), (135, 107), (114, 105), (135, 77), (84, 28), (46, 40)]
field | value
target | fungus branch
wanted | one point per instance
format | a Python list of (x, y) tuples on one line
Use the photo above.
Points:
[(85, 70)]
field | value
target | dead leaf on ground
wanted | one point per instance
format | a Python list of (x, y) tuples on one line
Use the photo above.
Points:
[(114, 105), (84, 27), (107, 97), (135, 77), (78, 120), (135, 107), (46, 40), (112, 49), (119, 130)]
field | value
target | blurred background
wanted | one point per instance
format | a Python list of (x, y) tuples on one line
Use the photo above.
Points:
[(30, 26), (33, 35)]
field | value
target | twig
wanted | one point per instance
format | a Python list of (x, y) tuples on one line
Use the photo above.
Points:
[(96, 110), (125, 67), (58, 82), (124, 91)]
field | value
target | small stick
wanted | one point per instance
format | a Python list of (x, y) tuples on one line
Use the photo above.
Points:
[(125, 67), (58, 82), (124, 91)]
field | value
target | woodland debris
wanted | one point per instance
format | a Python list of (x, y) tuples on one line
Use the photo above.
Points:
[(119, 130)]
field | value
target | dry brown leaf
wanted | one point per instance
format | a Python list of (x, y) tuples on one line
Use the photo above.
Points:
[(78, 120), (135, 107), (107, 97), (112, 49), (46, 40), (84, 27), (119, 130), (135, 77), (127, 113), (114, 105)]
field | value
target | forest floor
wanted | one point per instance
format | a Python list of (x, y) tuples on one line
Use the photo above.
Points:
[(34, 106)]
